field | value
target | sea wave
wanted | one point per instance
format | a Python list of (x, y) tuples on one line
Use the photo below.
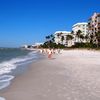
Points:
[(5, 81), (6, 78), (8, 66)]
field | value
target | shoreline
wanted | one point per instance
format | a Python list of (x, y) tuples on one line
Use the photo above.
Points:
[(72, 74)]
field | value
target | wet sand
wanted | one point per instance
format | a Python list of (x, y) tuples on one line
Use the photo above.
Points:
[(72, 75)]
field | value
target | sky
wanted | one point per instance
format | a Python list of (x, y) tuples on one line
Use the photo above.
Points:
[(29, 21)]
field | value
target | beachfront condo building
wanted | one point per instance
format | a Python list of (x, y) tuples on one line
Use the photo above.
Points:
[(61, 37), (94, 27), (82, 28)]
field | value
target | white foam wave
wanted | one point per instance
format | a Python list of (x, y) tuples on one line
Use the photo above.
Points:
[(6, 78), (5, 81), (4, 84), (8, 66)]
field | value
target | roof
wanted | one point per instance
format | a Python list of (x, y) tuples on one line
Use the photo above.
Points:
[(82, 23), (64, 32)]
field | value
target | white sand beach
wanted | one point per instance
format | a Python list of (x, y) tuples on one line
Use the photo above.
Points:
[(72, 75)]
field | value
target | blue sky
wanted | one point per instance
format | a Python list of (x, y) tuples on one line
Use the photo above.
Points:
[(29, 21)]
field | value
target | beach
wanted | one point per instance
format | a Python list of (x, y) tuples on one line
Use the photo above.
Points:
[(71, 75)]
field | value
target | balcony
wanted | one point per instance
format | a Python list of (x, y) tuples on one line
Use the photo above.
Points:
[(98, 24), (89, 23), (98, 28), (98, 15)]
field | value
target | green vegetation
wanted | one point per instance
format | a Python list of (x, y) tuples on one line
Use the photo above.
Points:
[(69, 37), (49, 43), (92, 41), (84, 45)]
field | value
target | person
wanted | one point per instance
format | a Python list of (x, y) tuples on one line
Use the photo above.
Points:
[(41, 50), (49, 53)]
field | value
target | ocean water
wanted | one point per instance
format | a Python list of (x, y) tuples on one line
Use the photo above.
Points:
[(12, 60)]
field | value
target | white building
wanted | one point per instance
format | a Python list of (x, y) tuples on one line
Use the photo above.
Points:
[(83, 27), (60, 37), (31, 47), (36, 45)]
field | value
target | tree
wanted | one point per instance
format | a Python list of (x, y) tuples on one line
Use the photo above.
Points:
[(97, 35), (78, 34), (62, 39), (69, 37), (59, 34), (91, 38), (81, 37), (49, 43), (47, 38), (86, 37), (72, 32)]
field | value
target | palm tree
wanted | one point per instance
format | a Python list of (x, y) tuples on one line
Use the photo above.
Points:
[(81, 37), (86, 37), (51, 36), (69, 37), (49, 41), (62, 39), (59, 35), (47, 37), (72, 32), (78, 34)]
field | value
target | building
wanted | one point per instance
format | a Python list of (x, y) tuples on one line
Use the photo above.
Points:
[(61, 38), (24, 46), (31, 47), (83, 27), (37, 45), (94, 26)]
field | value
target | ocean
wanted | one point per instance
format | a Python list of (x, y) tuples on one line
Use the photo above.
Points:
[(14, 61)]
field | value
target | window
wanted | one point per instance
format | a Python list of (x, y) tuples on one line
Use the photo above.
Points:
[(79, 26), (98, 28)]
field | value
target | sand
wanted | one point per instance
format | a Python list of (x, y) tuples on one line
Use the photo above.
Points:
[(72, 75)]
